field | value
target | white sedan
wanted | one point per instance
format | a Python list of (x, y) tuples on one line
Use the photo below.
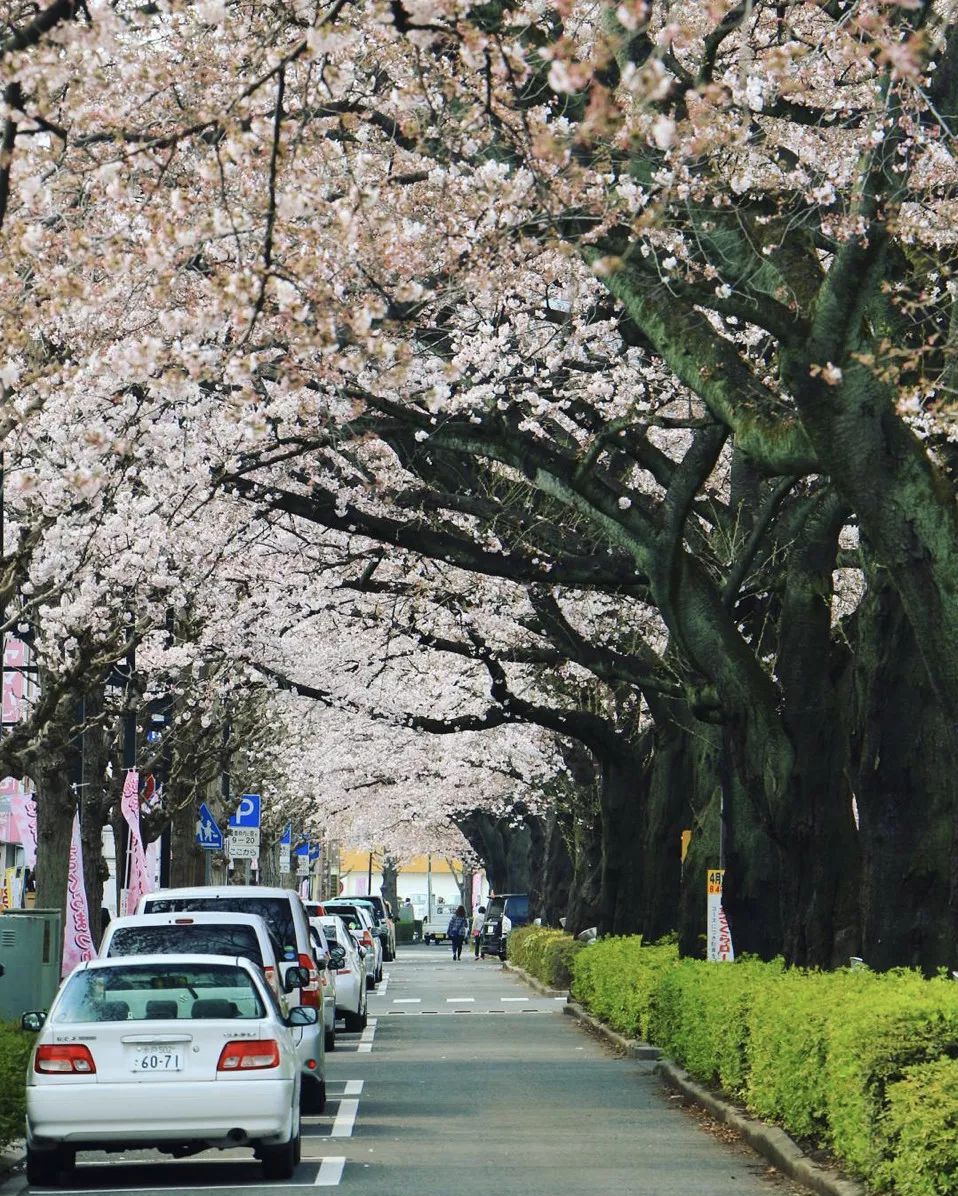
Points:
[(180, 1053), (350, 971)]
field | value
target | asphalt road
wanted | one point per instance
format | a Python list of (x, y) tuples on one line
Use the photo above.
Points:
[(466, 1083)]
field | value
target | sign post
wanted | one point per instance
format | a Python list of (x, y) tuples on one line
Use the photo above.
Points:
[(285, 848)]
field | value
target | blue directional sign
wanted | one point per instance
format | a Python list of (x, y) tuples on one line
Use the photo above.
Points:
[(208, 834), (287, 836), (247, 812)]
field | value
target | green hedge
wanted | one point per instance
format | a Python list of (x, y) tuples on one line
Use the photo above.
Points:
[(864, 1064), (544, 953), (616, 980), (15, 1047)]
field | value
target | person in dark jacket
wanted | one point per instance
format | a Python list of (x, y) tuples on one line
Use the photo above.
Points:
[(457, 930)]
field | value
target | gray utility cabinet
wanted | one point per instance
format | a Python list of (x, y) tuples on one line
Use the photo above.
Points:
[(31, 942)]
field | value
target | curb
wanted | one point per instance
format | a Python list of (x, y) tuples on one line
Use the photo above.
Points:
[(630, 1047), (770, 1141), (11, 1159), (535, 983)]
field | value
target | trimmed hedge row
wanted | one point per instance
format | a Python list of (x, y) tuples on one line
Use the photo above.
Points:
[(15, 1047), (865, 1064), (544, 953)]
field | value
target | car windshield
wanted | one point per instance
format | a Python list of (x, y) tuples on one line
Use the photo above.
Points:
[(195, 939), (276, 911), (351, 917), (364, 904), (494, 909), (144, 992)]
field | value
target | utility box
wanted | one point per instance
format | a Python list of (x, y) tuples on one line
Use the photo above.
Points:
[(31, 942)]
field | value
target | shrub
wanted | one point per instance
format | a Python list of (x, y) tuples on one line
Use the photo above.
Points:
[(922, 1128), (616, 980), (15, 1047), (906, 1020), (544, 953), (701, 1017)]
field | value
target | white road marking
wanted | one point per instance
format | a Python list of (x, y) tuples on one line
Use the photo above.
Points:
[(407, 1000), (504, 999), (330, 1172), (458, 1000), (345, 1119), (354, 1087), (366, 1038)]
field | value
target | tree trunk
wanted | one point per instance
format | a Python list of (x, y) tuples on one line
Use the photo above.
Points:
[(390, 882), (56, 805), (95, 802), (187, 865), (904, 768), (622, 786)]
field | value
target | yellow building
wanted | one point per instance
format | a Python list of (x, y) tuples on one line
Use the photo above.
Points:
[(360, 873)]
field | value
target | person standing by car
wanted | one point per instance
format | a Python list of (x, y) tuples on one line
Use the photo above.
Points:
[(477, 920), (457, 930)]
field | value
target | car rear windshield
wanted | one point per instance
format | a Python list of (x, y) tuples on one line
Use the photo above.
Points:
[(349, 915), (494, 909), (365, 903), (148, 992), (518, 907), (197, 939), (277, 912)]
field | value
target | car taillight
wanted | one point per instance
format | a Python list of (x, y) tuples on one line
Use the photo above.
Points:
[(367, 940), (74, 1057), (506, 924), (309, 993), (249, 1055), (270, 974), (343, 971)]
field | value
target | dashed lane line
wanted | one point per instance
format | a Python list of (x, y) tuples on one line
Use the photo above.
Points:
[(459, 1000)]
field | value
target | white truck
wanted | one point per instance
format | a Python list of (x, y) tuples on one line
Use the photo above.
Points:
[(434, 926)]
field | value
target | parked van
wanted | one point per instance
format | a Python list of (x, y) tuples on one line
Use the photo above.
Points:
[(283, 912), (503, 914)]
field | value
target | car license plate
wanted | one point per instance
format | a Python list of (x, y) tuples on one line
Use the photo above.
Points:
[(157, 1060)]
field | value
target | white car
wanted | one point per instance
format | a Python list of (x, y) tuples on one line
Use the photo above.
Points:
[(350, 974), (360, 924), (178, 1053), (327, 982)]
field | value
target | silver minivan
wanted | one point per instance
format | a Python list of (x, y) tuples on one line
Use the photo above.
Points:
[(283, 912)]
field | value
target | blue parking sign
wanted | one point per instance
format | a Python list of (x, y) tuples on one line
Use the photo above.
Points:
[(247, 812)]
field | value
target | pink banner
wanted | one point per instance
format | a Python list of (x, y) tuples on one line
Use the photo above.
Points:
[(137, 878), (77, 944), (23, 812)]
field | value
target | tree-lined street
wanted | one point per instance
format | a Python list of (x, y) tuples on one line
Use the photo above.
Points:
[(473, 1082)]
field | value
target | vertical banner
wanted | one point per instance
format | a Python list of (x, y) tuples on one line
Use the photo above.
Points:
[(137, 879), (719, 937), (23, 812), (77, 944)]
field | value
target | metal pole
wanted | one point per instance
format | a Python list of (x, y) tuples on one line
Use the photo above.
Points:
[(369, 877)]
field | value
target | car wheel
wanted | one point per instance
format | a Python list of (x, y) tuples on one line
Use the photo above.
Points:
[(44, 1167), (329, 1040), (279, 1162), (370, 980), (379, 974), (312, 1097)]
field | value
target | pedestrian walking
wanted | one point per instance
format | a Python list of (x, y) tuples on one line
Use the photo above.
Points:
[(477, 920), (457, 930)]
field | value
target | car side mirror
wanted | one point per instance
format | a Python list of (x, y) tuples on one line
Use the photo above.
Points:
[(33, 1021), (362, 952), (295, 978), (303, 1015), (337, 956)]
